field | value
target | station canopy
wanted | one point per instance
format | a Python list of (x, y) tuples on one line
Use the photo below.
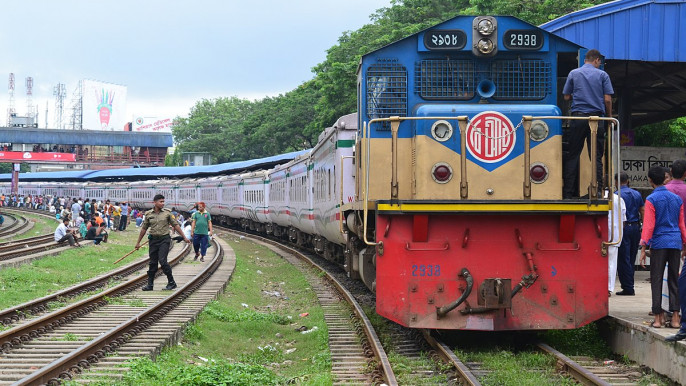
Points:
[(644, 46), (141, 174), (85, 137)]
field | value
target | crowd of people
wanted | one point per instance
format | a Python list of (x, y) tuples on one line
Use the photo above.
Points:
[(664, 233)]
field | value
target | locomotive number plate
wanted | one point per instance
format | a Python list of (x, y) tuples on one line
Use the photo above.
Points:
[(426, 270), (446, 39), (523, 39)]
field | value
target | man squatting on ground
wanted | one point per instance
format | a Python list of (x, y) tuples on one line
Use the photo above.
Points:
[(158, 219), (63, 234)]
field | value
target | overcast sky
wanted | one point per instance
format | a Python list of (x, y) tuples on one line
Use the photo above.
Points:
[(169, 54)]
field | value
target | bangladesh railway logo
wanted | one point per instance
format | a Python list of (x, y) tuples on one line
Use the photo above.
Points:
[(490, 137)]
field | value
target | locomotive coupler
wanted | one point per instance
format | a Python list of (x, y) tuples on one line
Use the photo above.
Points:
[(442, 311)]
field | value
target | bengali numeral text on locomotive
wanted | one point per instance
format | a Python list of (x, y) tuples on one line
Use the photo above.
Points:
[(523, 40), (445, 39), (426, 270)]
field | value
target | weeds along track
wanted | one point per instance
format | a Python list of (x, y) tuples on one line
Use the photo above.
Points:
[(93, 338), (588, 371), (357, 354)]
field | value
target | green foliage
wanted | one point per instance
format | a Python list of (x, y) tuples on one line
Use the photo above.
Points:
[(6, 167), (173, 159), (586, 341), (233, 129), (215, 372), (227, 315), (670, 133)]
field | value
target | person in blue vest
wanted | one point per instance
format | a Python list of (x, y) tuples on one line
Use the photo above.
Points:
[(631, 236), (664, 230)]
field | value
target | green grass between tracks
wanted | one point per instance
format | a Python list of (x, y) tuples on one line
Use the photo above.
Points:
[(41, 225), (55, 273), (248, 336)]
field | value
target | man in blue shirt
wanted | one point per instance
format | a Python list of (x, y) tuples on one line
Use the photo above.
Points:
[(589, 88), (628, 249)]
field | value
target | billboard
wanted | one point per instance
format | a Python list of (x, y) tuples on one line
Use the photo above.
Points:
[(151, 124), (27, 156), (104, 106)]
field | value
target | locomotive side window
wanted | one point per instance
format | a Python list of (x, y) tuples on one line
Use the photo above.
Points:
[(386, 91)]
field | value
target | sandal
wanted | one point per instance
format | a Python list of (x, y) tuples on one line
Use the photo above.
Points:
[(652, 324)]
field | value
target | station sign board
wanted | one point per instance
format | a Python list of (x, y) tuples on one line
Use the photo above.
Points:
[(152, 125)]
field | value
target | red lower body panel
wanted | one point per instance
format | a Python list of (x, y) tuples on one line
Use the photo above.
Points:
[(565, 270)]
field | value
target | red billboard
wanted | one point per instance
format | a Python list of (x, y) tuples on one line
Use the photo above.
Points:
[(27, 156)]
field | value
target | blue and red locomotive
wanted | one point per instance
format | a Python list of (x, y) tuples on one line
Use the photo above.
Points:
[(443, 193)]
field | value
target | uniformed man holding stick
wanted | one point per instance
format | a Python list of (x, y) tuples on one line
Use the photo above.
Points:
[(158, 220)]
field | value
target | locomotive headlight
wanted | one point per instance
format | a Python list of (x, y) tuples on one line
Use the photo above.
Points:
[(538, 173), (485, 46), (485, 27), (441, 131), (442, 173), (539, 131)]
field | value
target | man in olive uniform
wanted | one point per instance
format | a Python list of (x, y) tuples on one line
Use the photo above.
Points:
[(158, 220)]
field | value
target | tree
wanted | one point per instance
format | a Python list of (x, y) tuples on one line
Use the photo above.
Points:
[(237, 129), (670, 133), (173, 159), (6, 167)]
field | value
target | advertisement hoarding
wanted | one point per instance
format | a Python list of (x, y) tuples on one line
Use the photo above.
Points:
[(27, 156), (152, 124), (104, 106)]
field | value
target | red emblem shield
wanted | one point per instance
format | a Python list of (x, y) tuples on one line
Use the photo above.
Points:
[(490, 137)]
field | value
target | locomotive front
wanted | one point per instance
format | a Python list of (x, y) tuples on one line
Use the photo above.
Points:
[(459, 183)]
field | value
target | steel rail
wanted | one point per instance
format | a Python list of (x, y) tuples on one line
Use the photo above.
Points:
[(578, 372), (14, 337), (28, 240), (14, 314), (20, 223), (75, 362), (372, 338), (465, 374)]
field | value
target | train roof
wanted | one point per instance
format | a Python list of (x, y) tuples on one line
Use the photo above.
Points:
[(137, 174)]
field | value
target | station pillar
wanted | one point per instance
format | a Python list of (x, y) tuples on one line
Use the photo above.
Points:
[(15, 178)]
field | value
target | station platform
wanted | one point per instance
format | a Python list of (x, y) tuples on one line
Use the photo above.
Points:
[(629, 333)]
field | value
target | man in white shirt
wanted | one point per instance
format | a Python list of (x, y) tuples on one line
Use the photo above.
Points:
[(63, 234)]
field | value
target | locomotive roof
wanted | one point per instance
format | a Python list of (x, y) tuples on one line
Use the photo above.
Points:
[(451, 23)]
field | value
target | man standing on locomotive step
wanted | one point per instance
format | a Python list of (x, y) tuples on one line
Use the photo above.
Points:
[(158, 219), (590, 91)]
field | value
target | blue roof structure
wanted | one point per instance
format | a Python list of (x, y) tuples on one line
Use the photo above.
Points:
[(190, 171), (131, 174), (644, 44), (85, 137), (66, 176), (647, 30)]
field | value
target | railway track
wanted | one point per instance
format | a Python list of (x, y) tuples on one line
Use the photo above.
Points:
[(14, 223), (34, 245), (346, 357), (97, 335)]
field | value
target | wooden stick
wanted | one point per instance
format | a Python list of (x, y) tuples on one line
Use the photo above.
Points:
[(128, 254)]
